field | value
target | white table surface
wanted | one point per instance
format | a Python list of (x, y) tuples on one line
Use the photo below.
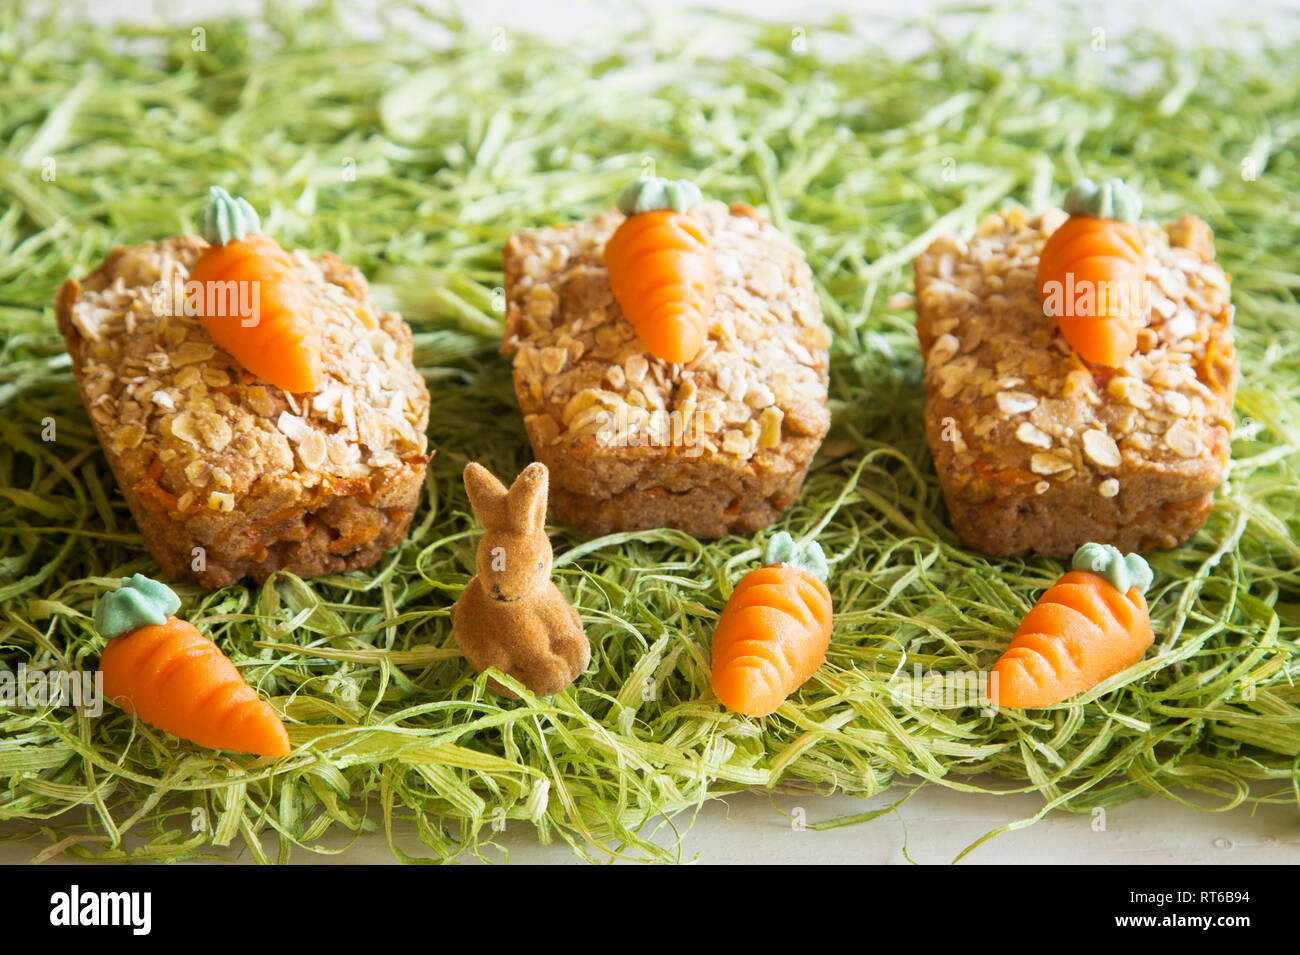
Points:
[(936, 824), (933, 828)]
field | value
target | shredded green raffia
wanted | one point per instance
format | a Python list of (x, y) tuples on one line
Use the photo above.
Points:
[(416, 166)]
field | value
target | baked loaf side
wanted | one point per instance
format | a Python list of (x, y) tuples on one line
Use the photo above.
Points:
[(718, 445), (210, 457), (1040, 452)]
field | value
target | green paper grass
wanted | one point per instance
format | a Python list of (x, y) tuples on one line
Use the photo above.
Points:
[(416, 164)]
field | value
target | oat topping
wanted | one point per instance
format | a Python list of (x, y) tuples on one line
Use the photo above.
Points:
[(1016, 402), (1006, 376), (1101, 449), (157, 386), (584, 376), (1033, 435)]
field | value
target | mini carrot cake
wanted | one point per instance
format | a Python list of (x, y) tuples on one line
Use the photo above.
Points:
[(671, 363), (258, 411), (1060, 408)]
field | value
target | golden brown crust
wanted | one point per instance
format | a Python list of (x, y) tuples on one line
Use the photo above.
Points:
[(1039, 451), (719, 445), (210, 457)]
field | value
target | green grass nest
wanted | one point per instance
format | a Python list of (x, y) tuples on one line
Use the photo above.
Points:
[(415, 160)]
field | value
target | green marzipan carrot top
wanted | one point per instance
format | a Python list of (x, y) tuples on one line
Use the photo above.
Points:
[(806, 555), (226, 218), (655, 192), (1112, 199), (139, 602), (1124, 572)]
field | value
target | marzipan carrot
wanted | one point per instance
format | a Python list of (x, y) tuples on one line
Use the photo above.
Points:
[(253, 303), (171, 676), (661, 268), (1088, 626), (1092, 272), (775, 629)]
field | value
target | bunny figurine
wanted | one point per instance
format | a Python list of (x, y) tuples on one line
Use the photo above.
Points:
[(511, 616)]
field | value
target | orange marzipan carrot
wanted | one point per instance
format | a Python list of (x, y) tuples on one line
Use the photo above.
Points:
[(661, 272), (1081, 631), (772, 636), (281, 343), (173, 677), (1105, 257)]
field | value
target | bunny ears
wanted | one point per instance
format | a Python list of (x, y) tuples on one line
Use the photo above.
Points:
[(521, 509)]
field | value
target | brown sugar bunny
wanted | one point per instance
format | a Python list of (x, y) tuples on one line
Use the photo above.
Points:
[(511, 616)]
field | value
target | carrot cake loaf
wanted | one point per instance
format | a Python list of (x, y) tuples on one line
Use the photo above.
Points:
[(670, 361), (1040, 449), (228, 474)]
